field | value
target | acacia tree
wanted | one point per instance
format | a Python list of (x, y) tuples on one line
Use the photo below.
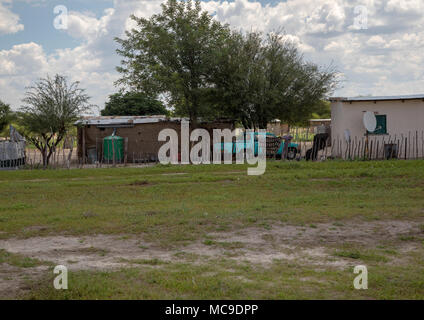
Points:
[(171, 53), (51, 107)]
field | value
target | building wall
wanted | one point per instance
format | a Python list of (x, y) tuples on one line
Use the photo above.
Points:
[(142, 138), (405, 125)]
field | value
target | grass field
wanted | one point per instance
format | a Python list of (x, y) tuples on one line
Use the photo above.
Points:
[(212, 231)]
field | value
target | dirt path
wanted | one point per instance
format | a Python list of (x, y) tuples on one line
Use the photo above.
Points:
[(312, 245)]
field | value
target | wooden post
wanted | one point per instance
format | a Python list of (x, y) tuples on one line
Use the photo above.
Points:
[(376, 150), (125, 151), (366, 150), (422, 144), (63, 153), (70, 154), (101, 153), (83, 145), (113, 151), (416, 144), (397, 149), (406, 145)]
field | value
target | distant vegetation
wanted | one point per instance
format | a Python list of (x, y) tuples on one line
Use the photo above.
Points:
[(323, 112), (133, 104), (5, 116)]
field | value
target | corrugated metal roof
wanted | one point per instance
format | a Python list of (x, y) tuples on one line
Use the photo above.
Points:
[(123, 120), (378, 98)]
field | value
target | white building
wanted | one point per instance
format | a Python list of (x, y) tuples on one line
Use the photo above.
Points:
[(400, 124)]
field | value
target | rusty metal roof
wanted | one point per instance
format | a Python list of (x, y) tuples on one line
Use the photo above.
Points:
[(122, 120), (130, 120), (378, 98)]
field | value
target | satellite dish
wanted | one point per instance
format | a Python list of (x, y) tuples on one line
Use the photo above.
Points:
[(370, 122), (347, 135)]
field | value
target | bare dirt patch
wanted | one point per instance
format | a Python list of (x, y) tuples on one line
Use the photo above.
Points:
[(257, 245), (35, 229), (310, 245), (327, 233), (13, 279), (87, 252)]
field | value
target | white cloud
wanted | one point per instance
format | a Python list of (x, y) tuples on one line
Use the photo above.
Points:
[(295, 40), (9, 21), (405, 6), (25, 63), (25, 58), (86, 26), (376, 41)]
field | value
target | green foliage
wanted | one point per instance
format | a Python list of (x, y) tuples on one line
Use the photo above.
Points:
[(172, 54), (206, 70), (5, 115), (51, 107), (133, 104), (259, 80), (323, 110)]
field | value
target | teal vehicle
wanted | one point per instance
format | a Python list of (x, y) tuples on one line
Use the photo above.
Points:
[(251, 143)]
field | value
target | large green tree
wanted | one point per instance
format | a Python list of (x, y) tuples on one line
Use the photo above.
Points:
[(207, 70), (172, 53), (259, 79), (133, 104), (50, 108)]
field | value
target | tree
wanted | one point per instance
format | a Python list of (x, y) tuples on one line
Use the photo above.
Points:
[(237, 76), (206, 70), (259, 80), (133, 104), (5, 115), (51, 107), (323, 110), (171, 53)]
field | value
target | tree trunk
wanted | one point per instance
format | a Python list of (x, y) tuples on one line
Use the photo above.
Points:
[(45, 157)]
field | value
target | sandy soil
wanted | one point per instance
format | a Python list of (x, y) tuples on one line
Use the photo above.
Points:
[(311, 245)]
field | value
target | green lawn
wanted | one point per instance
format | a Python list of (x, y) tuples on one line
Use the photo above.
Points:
[(174, 206)]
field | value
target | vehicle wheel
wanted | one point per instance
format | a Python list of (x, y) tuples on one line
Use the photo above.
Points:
[(291, 154)]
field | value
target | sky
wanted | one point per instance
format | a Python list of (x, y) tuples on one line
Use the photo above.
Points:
[(376, 46)]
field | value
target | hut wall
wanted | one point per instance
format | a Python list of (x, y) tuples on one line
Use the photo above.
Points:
[(142, 138)]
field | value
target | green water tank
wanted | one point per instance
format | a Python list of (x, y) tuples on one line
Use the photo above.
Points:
[(110, 144)]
